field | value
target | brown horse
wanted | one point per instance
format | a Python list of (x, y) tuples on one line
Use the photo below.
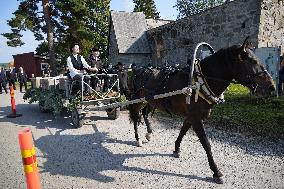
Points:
[(236, 63)]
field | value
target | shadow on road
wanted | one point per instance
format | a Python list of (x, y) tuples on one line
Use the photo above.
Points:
[(85, 156), (253, 145), (32, 116)]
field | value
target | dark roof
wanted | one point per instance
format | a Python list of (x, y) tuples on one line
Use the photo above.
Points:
[(130, 32)]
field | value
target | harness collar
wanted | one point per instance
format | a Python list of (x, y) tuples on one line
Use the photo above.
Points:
[(202, 88)]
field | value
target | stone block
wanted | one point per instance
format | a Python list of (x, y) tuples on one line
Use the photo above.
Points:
[(63, 83), (47, 83), (35, 82)]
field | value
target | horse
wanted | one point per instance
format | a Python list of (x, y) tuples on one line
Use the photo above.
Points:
[(236, 63)]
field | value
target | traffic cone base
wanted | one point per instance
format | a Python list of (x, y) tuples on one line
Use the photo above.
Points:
[(14, 115)]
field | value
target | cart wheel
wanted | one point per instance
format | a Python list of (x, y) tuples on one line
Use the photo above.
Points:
[(77, 119), (41, 107), (113, 113)]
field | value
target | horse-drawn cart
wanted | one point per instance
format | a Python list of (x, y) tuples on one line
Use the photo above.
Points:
[(102, 92), (97, 91)]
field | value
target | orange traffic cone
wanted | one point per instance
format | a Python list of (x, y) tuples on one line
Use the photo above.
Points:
[(12, 94), (29, 159)]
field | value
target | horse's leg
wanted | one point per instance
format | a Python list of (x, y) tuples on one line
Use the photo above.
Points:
[(135, 117), (200, 132), (145, 112), (184, 129)]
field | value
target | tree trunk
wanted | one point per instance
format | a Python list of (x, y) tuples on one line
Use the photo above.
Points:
[(47, 18)]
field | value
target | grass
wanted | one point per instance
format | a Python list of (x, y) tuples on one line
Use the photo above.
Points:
[(242, 113)]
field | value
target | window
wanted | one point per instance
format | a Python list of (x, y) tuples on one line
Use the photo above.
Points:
[(43, 66)]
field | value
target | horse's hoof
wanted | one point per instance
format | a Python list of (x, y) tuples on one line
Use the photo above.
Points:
[(148, 136), (218, 180), (176, 154), (139, 143)]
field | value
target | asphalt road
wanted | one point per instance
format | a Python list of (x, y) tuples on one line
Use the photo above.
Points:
[(102, 154)]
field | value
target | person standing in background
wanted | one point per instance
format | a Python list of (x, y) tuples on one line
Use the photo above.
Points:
[(3, 80), (11, 77), (23, 78)]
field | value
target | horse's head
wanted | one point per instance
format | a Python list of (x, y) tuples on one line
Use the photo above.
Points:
[(251, 73)]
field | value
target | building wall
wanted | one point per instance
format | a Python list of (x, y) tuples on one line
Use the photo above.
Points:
[(138, 59), (29, 63), (221, 26), (154, 23), (26, 61), (271, 33)]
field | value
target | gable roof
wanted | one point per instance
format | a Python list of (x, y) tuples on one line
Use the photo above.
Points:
[(130, 32)]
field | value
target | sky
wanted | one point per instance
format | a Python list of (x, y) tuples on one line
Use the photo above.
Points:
[(165, 7)]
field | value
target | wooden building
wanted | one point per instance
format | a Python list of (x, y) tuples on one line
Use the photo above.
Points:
[(31, 63)]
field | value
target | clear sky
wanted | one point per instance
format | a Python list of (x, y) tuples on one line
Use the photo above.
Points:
[(165, 7)]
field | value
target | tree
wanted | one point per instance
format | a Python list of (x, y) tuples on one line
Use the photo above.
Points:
[(50, 38), (148, 7), (64, 22), (191, 7)]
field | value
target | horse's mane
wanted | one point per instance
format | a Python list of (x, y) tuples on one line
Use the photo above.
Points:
[(223, 55)]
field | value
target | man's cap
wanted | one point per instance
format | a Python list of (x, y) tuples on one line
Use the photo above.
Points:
[(119, 64), (95, 49)]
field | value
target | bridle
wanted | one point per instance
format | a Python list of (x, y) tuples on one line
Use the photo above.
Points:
[(250, 80)]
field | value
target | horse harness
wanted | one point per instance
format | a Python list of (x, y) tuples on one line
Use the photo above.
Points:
[(202, 88)]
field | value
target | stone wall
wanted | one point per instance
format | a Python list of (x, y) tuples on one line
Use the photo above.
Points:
[(154, 23), (271, 29), (138, 59), (221, 26)]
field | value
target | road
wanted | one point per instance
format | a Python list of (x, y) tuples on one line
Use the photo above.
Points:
[(102, 154)]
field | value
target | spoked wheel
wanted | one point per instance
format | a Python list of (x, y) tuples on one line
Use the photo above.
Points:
[(113, 113), (77, 118)]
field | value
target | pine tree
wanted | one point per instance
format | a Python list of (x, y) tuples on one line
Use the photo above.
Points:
[(148, 7), (64, 22), (191, 7)]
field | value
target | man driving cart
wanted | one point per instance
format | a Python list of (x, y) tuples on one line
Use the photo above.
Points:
[(77, 67)]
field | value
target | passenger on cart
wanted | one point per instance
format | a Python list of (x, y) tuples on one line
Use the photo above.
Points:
[(95, 61), (122, 76), (77, 67)]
